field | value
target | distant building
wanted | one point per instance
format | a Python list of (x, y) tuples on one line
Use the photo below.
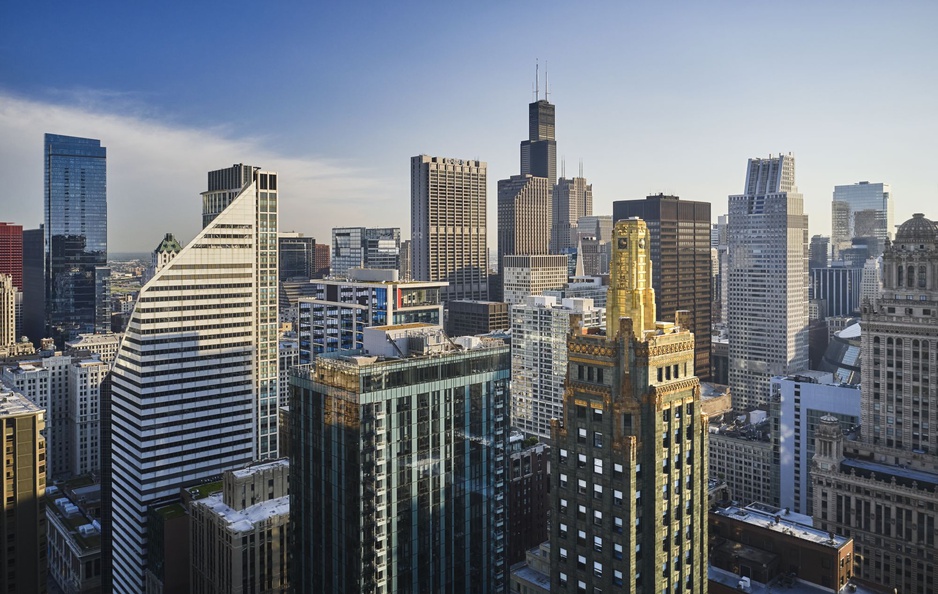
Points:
[(438, 526), (532, 576), (238, 539), (297, 254), (870, 204), (23, 522), (524, 225), (360, 247), (104, 346), (768, 249), (539, 329), (871, 284), (406, 260), (335, 317), (532, 275), (469, 318), (819, 252), (168, 248), (322, 260), (8, 328), (85, 377), (289, 350), (742, 456), (582, 287), (11, 252), (572, 201), (76, 298), (680, 256), (453, 190), (839, 286)]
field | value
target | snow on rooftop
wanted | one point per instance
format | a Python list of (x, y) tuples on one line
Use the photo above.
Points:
[(246, 519)]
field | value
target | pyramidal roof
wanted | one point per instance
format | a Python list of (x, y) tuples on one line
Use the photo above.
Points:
[(169, 244)]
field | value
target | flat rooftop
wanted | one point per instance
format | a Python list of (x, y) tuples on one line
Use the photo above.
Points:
[(731, 580), (780, 523), (243, 472), (14, 403), (907, 477)]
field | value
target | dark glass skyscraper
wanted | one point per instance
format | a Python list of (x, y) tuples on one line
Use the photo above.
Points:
[(680, 254), (75, 242), (539, 151)]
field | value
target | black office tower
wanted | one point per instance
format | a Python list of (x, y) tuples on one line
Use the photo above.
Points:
[(680, 257)]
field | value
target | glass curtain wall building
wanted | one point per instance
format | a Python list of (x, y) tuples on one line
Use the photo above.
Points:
[(76, 296)]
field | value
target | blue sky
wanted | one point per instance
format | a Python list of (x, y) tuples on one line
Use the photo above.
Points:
[(338, 96)]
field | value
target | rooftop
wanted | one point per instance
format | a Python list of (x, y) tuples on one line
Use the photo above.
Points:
[(14, 403), (246, 519), (249, 470), (906, 477), (778, 523), (731, 580)]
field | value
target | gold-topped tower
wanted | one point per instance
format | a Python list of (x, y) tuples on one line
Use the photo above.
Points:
[(630, 291)]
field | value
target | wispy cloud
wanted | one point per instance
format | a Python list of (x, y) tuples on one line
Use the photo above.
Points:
[(157, 168)]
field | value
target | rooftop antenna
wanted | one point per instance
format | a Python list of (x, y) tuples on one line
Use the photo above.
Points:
[(546, 82), (563, 168), (581, 167), (537, 79)]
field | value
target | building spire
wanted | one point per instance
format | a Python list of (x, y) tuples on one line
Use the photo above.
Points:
[(537, 80), (630, 292), (546, 83)]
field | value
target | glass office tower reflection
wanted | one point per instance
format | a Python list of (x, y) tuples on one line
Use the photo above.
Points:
[(76, 292)]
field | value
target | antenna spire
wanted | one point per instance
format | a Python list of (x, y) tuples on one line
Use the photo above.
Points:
[(537, 79), (581, 167), (546, 82)]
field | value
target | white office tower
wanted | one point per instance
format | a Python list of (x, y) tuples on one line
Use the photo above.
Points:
[(532, 275), (861, 210), (448, 225), (767, 304), (85, 377), (194, 388), (871, 284), (539, 329)]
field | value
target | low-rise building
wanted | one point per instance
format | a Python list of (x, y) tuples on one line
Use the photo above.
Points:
[(741, 454), (72, 514), (532, 576)]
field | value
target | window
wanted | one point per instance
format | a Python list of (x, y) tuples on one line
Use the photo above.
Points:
[(617, 577), (597, 439), (581, 460), (563, 456), (581, 435), (597, 518), (581, 537), (563, 578), (581, 486), (563, 481), (617, 471), (616, 497), (597, 465), (597, 415), (598, 544), (597, 491), (563, 554), (581, 562), (618, 525), (563, 506), (617, 551), (563, 531), (597, 569)]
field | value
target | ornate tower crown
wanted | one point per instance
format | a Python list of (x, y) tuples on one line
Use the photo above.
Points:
[(630, 290)]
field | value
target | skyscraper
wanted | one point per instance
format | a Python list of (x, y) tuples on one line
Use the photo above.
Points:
[(861, 210), (629, 463), (23, 523), (7, 311), (194, 389), (11, 252), (572, 200), (413, 496), (448, 225), (360, 247), (767, 305), (539, 151), (679, 232), (75, 243)]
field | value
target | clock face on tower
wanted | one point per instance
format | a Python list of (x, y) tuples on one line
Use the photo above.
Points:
[(641, 243), (623, 243)]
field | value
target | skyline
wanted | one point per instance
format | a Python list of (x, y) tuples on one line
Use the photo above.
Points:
[(682, 96)]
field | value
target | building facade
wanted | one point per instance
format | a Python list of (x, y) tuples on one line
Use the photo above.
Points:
[(297, 254), (76, 298), (767, 306), (539, 151), (469, 318), (335, 317), (524, 218), (448, 225), (85, 377), (571, 201), (870, 205), (238, 537), (212, 404), (628, 465), (23, 561), (8, 326), (839, 287), (532, 275), (539, 328), (883, 489), (413, 500), (681, 263), (528, 500), (360, 247)]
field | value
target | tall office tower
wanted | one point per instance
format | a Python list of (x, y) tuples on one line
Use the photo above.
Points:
[(413, 498), (358, 247), (83, 427), (11, 252), (871, 283), (335, 317), (598, 226), (524, 224), (629, 462), (322, 256), (34, 285), (23, 523), (7, 311), (448, 225), (767, 305), (532, 275), (881, 489), (539, 151), (819, 252), (571, 201), (718, 234), (75, 243), (297, 256), (869, 204), (470, 318), (679, 232), (238, 537), (539, 328), (194, 391)]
